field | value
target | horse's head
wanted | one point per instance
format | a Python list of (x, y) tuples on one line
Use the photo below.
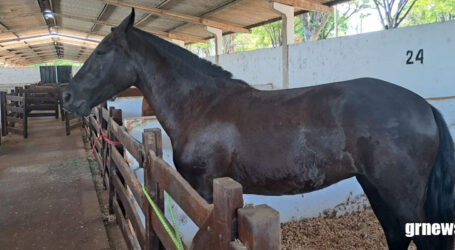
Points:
[(106, 72)]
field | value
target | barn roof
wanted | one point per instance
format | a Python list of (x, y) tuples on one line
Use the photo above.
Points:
[(35, 31)]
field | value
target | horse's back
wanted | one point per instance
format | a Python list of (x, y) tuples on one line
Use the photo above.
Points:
[(329, 132)]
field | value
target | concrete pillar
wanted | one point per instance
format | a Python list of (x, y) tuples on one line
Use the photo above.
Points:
[(287, 15), (287, 35), (335, 17), (219, 44)]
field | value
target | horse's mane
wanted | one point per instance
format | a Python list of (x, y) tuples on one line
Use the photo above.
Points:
[(184, 56)]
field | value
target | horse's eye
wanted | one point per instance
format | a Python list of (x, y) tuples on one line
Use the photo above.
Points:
[(99, 52)]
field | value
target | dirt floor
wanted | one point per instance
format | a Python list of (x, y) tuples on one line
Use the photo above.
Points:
[(116, 239), (47, 194), (358, 230)]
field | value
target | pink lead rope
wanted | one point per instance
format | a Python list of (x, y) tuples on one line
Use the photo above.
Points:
[(104, 137)]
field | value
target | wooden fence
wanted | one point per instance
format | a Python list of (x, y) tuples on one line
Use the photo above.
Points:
[(41, 100), (225, 224), (13, 112), (33, 101)]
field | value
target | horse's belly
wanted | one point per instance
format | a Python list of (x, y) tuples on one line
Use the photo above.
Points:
[(293, 169)]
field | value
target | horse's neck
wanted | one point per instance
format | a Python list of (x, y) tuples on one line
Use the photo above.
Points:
[(178, 98)]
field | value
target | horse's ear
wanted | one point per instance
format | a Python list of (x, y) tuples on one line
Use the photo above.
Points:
[(127, 23)]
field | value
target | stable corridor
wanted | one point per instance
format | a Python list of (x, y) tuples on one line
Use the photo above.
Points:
[(47, 195)]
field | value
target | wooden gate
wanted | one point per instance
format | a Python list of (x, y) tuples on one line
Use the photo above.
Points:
[(41, 100), (14, 115)]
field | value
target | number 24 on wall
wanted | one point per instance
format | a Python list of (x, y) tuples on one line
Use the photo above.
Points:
[(418, 58)]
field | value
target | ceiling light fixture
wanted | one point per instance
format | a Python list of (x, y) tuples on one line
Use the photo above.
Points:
[(48, 14)]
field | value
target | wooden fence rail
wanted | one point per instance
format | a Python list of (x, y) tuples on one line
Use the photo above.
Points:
[(225, 224)]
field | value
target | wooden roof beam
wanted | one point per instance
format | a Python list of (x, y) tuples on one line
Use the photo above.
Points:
[(210, 12), (177, 36), (21, 44), (309, 5), (47, 53), (12, 31), (28, 61), (21, 15), (45, 39), (170, 35), (180, 16), (5, 27)]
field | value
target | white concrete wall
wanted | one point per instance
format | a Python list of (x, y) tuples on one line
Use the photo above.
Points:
[(19, 75), (255, 67), (379, 55), (75, 69)]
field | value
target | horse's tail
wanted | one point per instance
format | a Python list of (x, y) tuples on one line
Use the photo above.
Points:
[(440, 198)]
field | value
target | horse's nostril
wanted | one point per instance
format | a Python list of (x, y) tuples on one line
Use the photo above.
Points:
[(67, 97)]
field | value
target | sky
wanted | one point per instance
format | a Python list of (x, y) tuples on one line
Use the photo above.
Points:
[(370, 23)]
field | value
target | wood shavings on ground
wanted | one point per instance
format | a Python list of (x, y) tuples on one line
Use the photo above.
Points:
[(358, 230)]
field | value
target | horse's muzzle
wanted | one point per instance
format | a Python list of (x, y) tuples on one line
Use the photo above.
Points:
[(77, 106)]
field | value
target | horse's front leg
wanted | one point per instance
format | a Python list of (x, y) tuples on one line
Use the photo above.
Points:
[(200, 179)]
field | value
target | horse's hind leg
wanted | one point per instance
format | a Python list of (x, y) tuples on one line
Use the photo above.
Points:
[(390, 222)]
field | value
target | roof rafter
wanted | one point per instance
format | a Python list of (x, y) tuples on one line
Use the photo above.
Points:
[(180, 16), (17, 36), (210, 12), (309, 5), (22, 15), (23, 30), (170, 35), (47, 40)]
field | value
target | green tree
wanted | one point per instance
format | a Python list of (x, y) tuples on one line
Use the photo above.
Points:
[(269, 34), (313, 22), (431, 11), (317, 25), (392, 12), (201, 49)]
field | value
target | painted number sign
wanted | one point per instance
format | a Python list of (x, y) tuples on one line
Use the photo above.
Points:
[(418, 58)]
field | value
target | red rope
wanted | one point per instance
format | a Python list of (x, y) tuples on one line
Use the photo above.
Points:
[(104, 137)]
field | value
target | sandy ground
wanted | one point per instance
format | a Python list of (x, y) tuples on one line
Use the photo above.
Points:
[(358, 230)]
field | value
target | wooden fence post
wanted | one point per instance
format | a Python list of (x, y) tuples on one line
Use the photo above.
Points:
[(3, 112), (57, 97), (103, 128), (151, 139), (25, 116), (259, 227), (219, 230), (105, 167), (67, 123), (60, 102), (116, 117), (227, 198)]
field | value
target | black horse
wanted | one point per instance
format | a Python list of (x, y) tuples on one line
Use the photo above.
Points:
[(285, 141)]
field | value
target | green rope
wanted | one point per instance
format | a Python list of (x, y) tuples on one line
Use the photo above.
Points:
[(176, 229), (163, 221)]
